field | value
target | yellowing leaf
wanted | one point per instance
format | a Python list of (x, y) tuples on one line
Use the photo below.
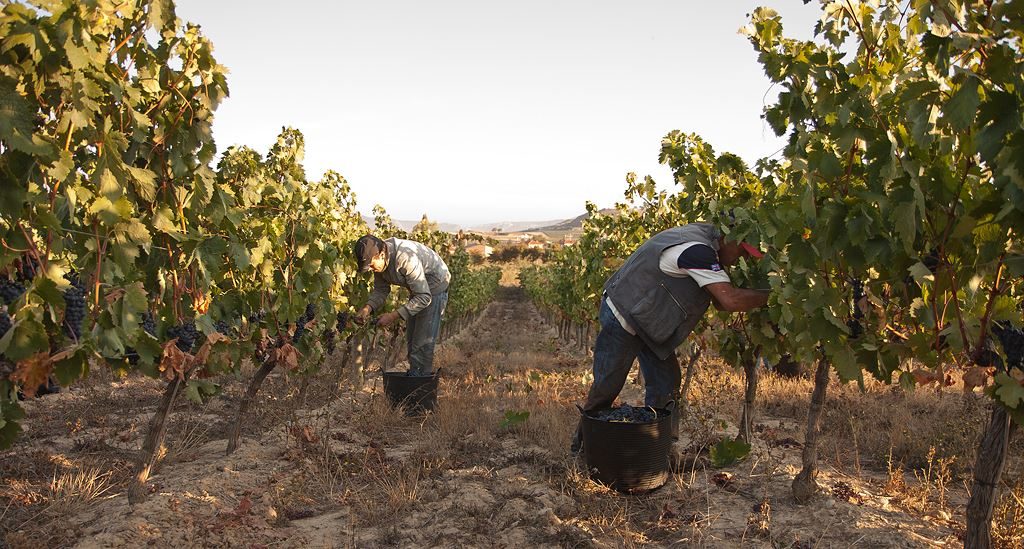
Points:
[(33, 372)]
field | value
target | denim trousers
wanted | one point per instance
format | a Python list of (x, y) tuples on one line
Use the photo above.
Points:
[(614, 352), (422, 330)]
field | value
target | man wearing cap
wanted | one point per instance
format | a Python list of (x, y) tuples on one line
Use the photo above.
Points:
[(652, 303), (418, 269)]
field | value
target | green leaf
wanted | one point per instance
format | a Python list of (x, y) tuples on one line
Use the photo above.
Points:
[(961, 109), (72, 368), (1009, 390), (514, 417), (47, 289), (727, 452), (920, 272), (10, 414), (28, 338), (17, 122), (199, 390), (13, 189), (145, 182)]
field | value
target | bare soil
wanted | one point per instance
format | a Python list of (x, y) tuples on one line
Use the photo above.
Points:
[(332, 465)]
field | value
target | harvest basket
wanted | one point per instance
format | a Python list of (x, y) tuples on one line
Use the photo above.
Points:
[(414, 394), (628, 457)]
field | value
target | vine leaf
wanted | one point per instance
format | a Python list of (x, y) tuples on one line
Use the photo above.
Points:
[(174, 361), (514, 417), (33, 372), (1009, 390), (288, 356)]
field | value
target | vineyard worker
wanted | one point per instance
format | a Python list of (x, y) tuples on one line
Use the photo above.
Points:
[(652, 303), (418, 269)]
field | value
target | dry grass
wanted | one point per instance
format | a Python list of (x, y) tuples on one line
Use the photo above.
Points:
[(459, 470), (71, 492), (1008, 523), (863, 428)]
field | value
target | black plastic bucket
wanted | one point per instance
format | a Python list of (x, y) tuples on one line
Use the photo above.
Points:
[(628, 457), (415, 394)]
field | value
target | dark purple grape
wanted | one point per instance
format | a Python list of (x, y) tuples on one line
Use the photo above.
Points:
[(5, 323), (10, 290), (342, 322), (1012, 340), (74, 310), (258, 316), (149, 323), (186, 334), (626, 414), (329, 343), (29, 268)]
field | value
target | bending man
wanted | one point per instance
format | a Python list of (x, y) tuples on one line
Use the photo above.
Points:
[(418, 269), (652, 303)]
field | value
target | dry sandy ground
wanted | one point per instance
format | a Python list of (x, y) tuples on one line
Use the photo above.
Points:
[(346, 471)]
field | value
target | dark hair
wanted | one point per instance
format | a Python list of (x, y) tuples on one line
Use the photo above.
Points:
[(366, 248)]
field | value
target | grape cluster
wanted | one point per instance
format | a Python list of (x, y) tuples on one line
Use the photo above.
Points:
[(627, 414), (342, 322), (222, 327), (5, 323), (258, 316), (329, 343), (854, 323), (1012, 340), (74, 309), (149, 323), (29, 268), (932, 260), (988, 357), (10, 290), (300, 324), (186, 335)]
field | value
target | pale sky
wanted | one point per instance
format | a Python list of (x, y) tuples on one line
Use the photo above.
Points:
[(476, 112)]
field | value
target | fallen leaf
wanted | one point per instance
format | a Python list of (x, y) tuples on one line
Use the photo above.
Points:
[(722, 480), (926, 377)]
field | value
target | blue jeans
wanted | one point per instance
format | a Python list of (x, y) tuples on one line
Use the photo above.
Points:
[(422, 330), (614, 352)]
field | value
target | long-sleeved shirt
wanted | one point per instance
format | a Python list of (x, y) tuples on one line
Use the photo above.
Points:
[(416, 268)]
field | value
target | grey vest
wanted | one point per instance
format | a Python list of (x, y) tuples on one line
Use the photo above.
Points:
[(662, 309)]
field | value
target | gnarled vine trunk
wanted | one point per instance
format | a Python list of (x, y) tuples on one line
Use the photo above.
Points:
[(746, 428), (691, 366), (243, 407), (153, 447), (988, 469), (805, 485)]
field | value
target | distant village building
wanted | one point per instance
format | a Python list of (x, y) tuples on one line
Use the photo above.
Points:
[(480, 250), (536, 245)]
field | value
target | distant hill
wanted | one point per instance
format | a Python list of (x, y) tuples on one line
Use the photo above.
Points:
[(511, 226), (569, 224), (555, 226), (407, 225)]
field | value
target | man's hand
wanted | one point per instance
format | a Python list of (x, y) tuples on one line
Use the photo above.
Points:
[(387, 319), (362, 315), (737, 300)]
